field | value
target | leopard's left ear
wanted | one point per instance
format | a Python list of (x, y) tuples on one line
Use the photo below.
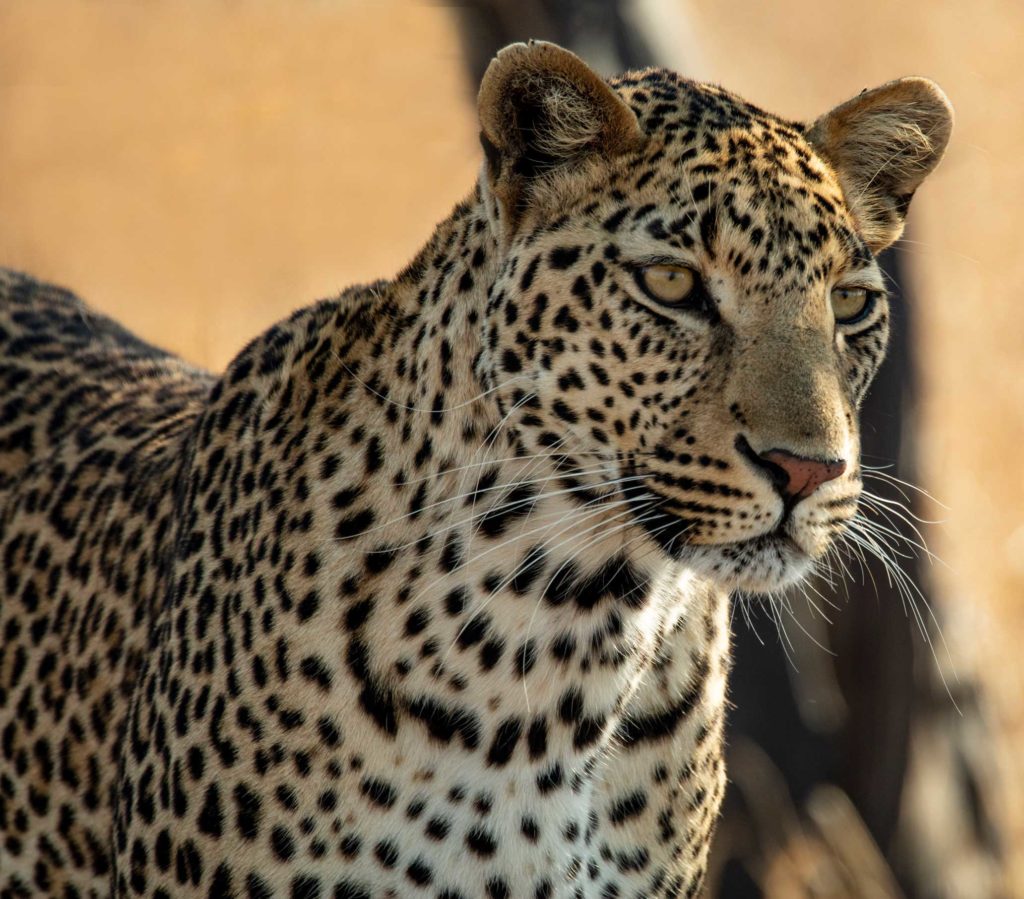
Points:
[(544, 111), (882, 144)]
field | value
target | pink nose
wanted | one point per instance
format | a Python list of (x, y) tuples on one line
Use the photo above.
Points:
[(803, 476)]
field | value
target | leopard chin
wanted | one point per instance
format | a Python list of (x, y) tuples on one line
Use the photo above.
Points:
[(758, 565), (761, 565)]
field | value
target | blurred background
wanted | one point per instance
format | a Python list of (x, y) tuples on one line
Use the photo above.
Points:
[(199, 169)]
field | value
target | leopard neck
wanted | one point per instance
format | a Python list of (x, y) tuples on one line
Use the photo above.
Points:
[(461, 558)]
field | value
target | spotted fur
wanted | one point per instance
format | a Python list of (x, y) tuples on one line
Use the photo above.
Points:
[(426, 595)]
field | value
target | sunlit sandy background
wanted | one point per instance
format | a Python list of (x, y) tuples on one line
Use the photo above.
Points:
[(199, 169)]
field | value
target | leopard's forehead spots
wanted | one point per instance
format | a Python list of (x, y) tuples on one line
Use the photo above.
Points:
[(729, 188), (758, 179)]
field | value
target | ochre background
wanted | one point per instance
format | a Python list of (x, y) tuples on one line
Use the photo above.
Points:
[(199, 169)]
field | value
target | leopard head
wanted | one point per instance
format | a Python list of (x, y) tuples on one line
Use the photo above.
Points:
[(689, 309)]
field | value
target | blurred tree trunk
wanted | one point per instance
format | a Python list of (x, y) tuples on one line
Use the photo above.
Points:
[(852, 772)]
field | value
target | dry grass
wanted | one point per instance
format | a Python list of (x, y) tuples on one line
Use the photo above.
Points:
[(199, 169)]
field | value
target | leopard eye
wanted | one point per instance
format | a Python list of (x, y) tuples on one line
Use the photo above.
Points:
[(851, 304), (668, 284)]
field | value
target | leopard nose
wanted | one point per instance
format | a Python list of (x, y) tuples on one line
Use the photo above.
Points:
[(802, 475), (795, 477)]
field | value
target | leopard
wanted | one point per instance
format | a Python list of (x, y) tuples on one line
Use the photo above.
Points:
[(427, 594)]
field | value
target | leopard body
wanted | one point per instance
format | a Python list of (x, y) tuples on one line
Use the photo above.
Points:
[(427, 594)]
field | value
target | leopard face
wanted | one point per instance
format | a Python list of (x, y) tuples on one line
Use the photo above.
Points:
[(692, 319)]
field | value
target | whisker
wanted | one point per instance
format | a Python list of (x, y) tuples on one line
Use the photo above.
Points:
[(910, 593), (576, 516), (426, 409), (597, 469)]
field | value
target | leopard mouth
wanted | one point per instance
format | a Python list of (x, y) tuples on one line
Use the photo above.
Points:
[(762, 563), (652, 511)]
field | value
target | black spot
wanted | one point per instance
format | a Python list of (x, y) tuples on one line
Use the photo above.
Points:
[(380, 558), (537, 738), (211, 818), (315, 669), (611, 224), (526, 658), (444, 722), (282, 843), (306, 887), (528, 274), (563, 647), (550, 779), (456, 600), (378, 791), (438, 828), (516, 504), (374, 455), (474, 631), (490, 653), (628, 807), (452, 555), (588, 730), (529, 570), (308, 606), (247, 812), (344, 498), (162, 850), (564, 412), (354, 525), (530, 829), (419, 872), (220, 887), (636, 729), (358, 612), (257, 887), (417, 621), (481, 842), (505, 739), (387, 853), (571, 705)]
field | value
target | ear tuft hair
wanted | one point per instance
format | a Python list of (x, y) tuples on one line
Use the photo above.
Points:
[(543, 109), (882, 144)]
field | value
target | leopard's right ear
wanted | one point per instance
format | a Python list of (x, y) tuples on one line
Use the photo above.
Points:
[(543, 110), (882, 144)]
